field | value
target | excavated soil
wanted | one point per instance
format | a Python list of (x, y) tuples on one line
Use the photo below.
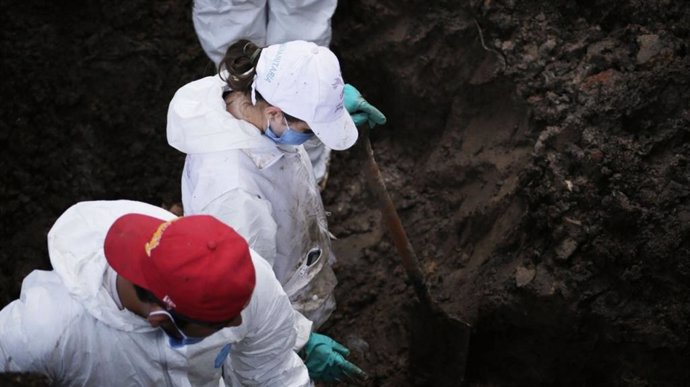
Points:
[(536, 152)]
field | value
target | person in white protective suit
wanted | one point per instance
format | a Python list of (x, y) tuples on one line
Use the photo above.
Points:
[(139, 297), (218, 23), (241, 131)]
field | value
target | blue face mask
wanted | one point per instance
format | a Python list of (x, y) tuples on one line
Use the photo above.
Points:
[(175, 342), (289, 136)]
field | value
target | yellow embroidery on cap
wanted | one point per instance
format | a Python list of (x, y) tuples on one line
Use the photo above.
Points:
[(156, 238)]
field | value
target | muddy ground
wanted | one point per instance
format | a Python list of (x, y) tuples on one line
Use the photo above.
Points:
[(537, 153)]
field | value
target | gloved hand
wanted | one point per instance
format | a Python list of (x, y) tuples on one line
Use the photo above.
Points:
[(360, 110), (325, 360)]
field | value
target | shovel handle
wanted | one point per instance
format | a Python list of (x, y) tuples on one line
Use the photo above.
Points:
[(390, 216)]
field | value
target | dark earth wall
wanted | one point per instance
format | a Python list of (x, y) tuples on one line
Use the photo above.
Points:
[(539, 154)]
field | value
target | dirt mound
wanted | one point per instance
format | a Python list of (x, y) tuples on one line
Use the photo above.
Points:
[(537, 153)]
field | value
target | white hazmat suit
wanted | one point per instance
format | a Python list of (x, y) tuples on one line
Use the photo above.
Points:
[(267, 193), (218, 23), (69, 325)]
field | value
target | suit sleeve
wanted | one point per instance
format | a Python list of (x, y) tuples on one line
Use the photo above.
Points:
[(265, 355)]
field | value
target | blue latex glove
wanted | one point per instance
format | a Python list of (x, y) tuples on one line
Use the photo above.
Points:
[(325, 360), (360, 110)]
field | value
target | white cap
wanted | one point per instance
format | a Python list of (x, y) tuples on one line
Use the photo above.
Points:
[(304, 81)]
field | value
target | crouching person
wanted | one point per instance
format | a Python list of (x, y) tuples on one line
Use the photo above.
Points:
[(139, 297)]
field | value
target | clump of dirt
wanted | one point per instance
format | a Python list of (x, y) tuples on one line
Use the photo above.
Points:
[(537, 153)]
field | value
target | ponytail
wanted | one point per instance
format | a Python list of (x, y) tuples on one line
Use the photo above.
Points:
[(240, 62)]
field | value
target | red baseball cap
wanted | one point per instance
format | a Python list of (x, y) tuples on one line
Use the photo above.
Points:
[(197, 265)]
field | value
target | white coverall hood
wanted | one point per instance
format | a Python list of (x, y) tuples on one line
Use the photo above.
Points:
[(220, 23), (199, 123), (77, 258)]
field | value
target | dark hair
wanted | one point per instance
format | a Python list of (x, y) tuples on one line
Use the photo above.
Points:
[(240, 62), (181, 320)]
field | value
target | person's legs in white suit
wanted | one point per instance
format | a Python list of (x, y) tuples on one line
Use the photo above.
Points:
[(219, 23), (308, 20)]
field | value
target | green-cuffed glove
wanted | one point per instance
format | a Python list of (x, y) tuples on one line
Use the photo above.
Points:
[(325, 360), (360, 110)]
